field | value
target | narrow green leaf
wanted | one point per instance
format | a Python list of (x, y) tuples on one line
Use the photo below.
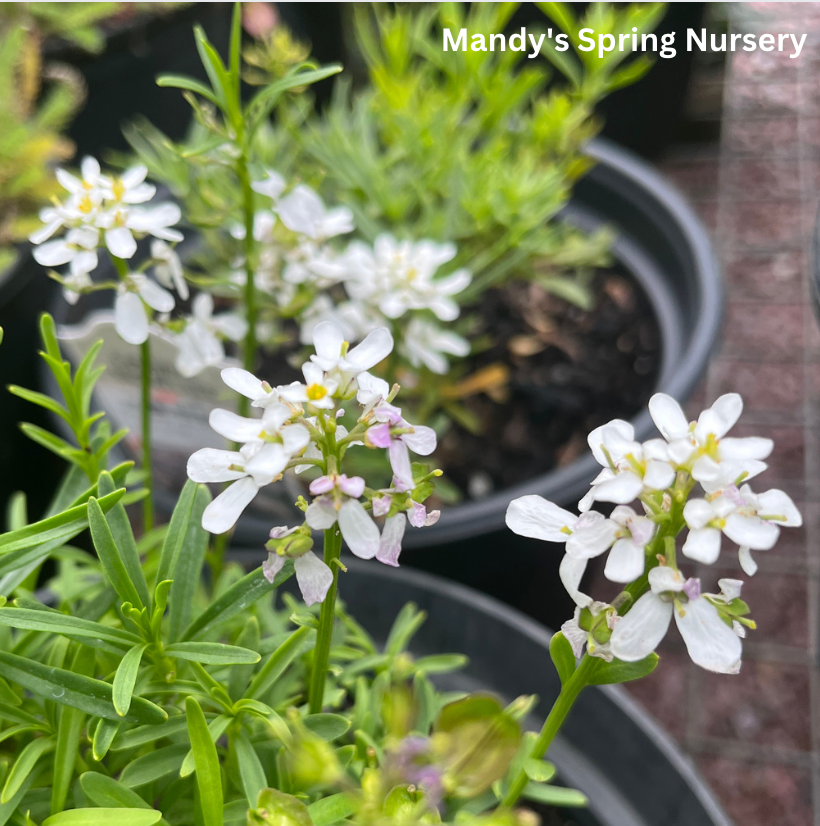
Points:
[(241, 674), (68, 735), (188, 570), (109, 793), (208, 776), (216, 728), (109, 555), (539, 770), (126, 678), (104, 736), (330, 810), (57, 623), (214, 653), (94, 697), (408, 621), (120, 526), (440, 663), (17, 715), (63, 526), (251, 772), (177, 529), (141, 735), (327, 726), (278, 661), (554, 795), (152, 766), (104, 817), (238, 598), (562, 657), (620, 672), (187, 83), (24, 765)]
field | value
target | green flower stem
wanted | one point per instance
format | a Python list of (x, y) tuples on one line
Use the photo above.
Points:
[(558, 713), (321, 654), (147, 462), (251, 310)]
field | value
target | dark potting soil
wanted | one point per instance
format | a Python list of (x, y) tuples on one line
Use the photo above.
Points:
[(570, 370)]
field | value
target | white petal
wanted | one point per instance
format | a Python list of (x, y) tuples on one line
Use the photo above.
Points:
[(212, 465), (747, 563), (659, 475), (707, 471), (222, 514), (639, 633), (313, 576), (728, 407), (244, 382), (130, 319), (390, 542), (156, 297), (400, 463), (327, 341), (571, 571), (698, 513), (120, 242), (777, 503), (702, 545), (234, 427), (422, 440), (752, 531), (730, 588), (711, 643), (603, 436), (358, 529), (668, 417), (53, 253), (624, 488), (267, 464), (294, 438), (538, 518), (376, 346), (321, 515), (680, 450), (272, 565), (752, 447), (592, 540), (625, 562), (663, 579)]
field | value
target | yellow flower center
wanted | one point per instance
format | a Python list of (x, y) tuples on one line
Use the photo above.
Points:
[(119, 189), (85, 204), (316, 392)]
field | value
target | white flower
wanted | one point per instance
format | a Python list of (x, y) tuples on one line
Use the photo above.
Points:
[(168, 268), (586, 536), (303, 212), (425, 343), (400, 437), (372, 390), (272, 185), (338, 502), (317, 390), (701, 446), (630, 467), (246, 384), (353, 318), (332, 354), (199, 342), (130, 188), (312, 574), (398, 276), (578, 638), (78, 249), (711, 643), (751, 520), (317, 265), (270, 443), (130, 318)]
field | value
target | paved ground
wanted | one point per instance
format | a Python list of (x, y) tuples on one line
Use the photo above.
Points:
[(757, 736)]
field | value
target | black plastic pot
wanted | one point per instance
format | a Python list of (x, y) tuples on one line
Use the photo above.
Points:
[(632, 772)]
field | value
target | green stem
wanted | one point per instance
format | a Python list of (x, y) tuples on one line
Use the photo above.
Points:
[(249, 345), (558, 713), (147, 464), (321, 654)]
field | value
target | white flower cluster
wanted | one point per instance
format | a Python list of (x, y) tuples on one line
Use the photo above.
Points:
[(110, 212), (300, 428), (382, 282), (661, 474)]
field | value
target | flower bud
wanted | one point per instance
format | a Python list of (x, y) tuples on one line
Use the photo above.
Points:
[(275, 808)]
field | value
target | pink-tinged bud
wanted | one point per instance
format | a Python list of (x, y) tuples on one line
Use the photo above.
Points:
[(259, 19), (353, 486), (417, 515), (379, 436), (381, 505), (692, 588), (324, 484), (388, 413), (432, 518), (281, 531)]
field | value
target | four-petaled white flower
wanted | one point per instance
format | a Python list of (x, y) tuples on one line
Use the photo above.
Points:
[(751, 520), (200, 342), (712, 643), (399, 437), (701, 447), (130, 317), (425, 343), (303, 212), (317, 391), (398, 276), (629, 466), (333, 357)]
